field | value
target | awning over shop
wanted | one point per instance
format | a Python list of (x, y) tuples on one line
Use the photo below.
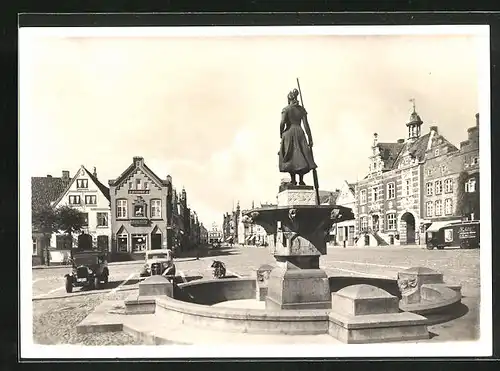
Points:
[(435, 226)]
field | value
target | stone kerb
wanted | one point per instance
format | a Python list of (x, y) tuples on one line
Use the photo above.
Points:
[(368, 314), (262, 274)]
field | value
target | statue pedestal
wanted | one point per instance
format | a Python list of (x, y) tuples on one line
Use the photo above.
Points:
[(291, 287), (298, 229)]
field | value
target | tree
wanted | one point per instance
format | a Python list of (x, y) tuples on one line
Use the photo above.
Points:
[(48, 220), (44, 220), (462, 204), (69, 220)]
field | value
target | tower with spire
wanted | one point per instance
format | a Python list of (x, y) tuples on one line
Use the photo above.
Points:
[(414, 124)]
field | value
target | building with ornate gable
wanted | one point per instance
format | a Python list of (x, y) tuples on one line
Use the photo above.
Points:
[(391, 201), (147, 213)]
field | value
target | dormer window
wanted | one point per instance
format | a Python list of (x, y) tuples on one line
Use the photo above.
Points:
[(82, 183), (436, 152)]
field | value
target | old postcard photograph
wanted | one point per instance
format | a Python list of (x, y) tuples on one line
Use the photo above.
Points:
[(255, 192)]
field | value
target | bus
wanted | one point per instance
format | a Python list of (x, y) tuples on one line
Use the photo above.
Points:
[(462, 234)]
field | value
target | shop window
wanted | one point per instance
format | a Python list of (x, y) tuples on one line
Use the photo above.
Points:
[(139, 242)]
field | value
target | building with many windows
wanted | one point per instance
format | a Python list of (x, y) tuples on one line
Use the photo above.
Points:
[(88, 195), (147, 213), (389, 198), (443, 184), (412, 182), (215, 234)]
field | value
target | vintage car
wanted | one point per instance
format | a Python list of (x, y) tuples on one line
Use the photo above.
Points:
[(157, 261), (89, 270)]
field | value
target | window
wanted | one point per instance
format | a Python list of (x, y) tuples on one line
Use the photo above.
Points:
[(406, 187), (103, 243), (123, 243), (470, 185), (139, 211), (438, 208), (121, 209), (363, 196), (444, 168), (138, 184), (102, 219), (429, 171), (448, 186), (391, 221), (439, 187), (448, 206), (139, 242), (146, 185), (155, 208), (82, 183), (129, 185), (436, 152), (475, 161), (364, 223), (391, 191), (374, 194), (429, 189), (429, 209), (34, 246), (90, 199), (74, 200), (85, 219)]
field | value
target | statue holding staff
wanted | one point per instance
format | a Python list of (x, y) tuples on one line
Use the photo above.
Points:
[(295, 154)]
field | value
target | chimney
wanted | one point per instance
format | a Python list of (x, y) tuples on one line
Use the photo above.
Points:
[(477, 119), (401, 140), (49, 176), (138, 160), (65, 175), (169, 179), (95, 172), (434, 128), (375, 139)]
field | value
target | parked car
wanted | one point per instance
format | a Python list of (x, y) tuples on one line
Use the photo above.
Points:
[(462, 234), (89, 270), (156, 261)]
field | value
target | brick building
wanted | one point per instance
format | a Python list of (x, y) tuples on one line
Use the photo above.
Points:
[(442, 171), (389, 198), (413, 182), (147, 213)]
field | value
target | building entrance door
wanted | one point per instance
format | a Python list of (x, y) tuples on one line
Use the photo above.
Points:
[(155, 241)]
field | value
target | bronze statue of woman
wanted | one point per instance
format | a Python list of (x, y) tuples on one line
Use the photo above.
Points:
[(295, 155)]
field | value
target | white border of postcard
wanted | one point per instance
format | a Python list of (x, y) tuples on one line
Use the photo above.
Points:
[(481, 347)]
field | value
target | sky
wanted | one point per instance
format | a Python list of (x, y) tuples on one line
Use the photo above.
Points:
[(206, 110)]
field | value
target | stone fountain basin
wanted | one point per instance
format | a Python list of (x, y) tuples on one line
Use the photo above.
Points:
[(193, 302)]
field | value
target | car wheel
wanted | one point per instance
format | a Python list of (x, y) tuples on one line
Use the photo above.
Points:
[(97, 283), (105, 279), (430, 247), (69, 285)]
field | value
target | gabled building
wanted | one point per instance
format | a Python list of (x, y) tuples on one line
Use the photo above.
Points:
[(142, 208), (389, 198), (345, 231), (88, 195), (44, 191)]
